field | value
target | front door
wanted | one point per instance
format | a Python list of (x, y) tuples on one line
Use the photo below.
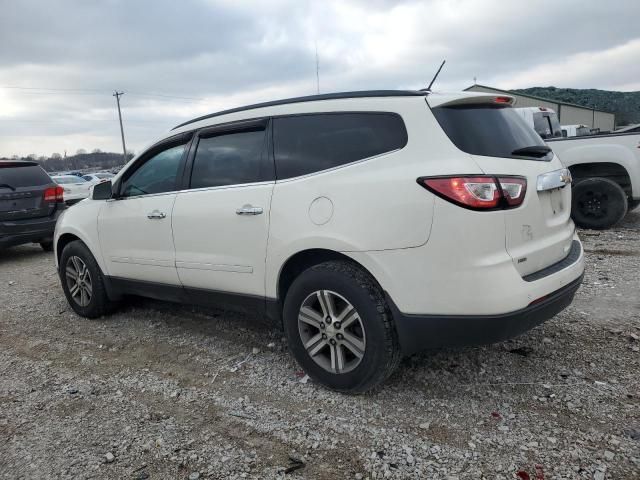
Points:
[(221, 222), (135, 227)]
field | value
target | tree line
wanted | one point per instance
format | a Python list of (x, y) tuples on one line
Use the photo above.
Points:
[(626, 105), (82, 160)]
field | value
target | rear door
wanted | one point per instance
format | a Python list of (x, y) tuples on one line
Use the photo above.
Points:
[(221, 223), (22, 187), (539, 232)]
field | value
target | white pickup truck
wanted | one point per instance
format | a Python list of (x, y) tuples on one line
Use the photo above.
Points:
[(605, 169)]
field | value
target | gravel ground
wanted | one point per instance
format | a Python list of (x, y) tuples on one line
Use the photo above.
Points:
[(166, 391)]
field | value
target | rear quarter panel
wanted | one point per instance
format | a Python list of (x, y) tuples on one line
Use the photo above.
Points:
[(372, 205)]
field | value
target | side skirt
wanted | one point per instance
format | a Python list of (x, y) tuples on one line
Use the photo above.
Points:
[(119, 287)]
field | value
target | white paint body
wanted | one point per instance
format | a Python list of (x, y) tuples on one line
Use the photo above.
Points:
[(429, 255), (622, 149)]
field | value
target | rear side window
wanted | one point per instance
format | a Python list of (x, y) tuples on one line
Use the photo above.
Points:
[(488, 130), (231, 158), (306, 144), (13, 177)]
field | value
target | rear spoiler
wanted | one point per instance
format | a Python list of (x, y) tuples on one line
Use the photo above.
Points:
[(482, 99)]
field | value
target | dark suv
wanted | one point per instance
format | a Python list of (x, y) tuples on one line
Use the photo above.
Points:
[(30, 203)]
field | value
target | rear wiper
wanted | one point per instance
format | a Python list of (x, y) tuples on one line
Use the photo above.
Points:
[(6, 185), (532, 151)]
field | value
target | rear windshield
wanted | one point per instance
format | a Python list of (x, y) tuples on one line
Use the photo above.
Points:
[(23, 176), (492, 131), (69, 179)]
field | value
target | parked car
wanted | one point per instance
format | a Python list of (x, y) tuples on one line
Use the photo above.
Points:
[(605, 170), (371, 224), (98, 177), (75, 188), (30, 203)]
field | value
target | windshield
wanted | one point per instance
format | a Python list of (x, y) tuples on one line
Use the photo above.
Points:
[(489, 130)]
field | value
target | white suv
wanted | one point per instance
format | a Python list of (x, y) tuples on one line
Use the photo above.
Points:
[(371, 224)]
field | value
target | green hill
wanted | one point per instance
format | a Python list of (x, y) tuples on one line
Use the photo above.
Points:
[(626, 105)]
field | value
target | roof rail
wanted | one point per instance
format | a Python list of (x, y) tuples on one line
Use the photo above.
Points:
[(313, 98)]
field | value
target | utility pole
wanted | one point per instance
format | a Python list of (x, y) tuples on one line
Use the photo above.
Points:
[(117, 94), (317, 71)]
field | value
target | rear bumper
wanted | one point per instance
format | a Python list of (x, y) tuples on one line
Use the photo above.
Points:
[(421, 332), (19, 232)]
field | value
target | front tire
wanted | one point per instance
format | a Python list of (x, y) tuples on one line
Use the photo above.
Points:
[(82, 281), (598, 203), (339, 327)]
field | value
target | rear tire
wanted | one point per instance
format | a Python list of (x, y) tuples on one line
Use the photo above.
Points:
[(598, 203), (354, 357), (83, 282), (47, 246)]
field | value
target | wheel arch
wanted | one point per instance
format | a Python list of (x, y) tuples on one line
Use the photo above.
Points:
[(62, 241), (611, 170), (304, 259)]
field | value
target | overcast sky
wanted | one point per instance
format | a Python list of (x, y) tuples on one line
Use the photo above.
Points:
[(179, 59)]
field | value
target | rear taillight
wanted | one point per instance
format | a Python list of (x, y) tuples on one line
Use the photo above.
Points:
[(478, 192), (513, 190), (54, 194)]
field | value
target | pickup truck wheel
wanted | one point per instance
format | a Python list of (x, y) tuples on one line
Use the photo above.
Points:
[(47, 246), (598, 203), (339, 327), (82, 281)]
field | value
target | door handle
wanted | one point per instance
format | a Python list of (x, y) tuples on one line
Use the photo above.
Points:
[(249, 210), (156, 215)]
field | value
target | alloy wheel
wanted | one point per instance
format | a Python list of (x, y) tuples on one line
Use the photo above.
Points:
[(78, 281), (331, 331)]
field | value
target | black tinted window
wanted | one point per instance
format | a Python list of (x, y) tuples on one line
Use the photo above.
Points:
[(23, 176), (231, 159), (489, 131), (156, 175), (310, 143)]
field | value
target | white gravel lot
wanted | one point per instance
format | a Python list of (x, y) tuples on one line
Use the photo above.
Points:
[(166, 391)]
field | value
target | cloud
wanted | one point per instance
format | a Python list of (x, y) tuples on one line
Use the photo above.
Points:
[(225, 53)]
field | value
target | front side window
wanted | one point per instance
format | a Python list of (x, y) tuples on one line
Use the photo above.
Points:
[(311, 143), (231, 158), (156, 175)]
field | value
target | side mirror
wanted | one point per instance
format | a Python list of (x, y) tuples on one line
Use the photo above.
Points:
[(102, 191)]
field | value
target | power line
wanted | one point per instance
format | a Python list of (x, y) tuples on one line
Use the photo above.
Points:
[(87, 91)]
